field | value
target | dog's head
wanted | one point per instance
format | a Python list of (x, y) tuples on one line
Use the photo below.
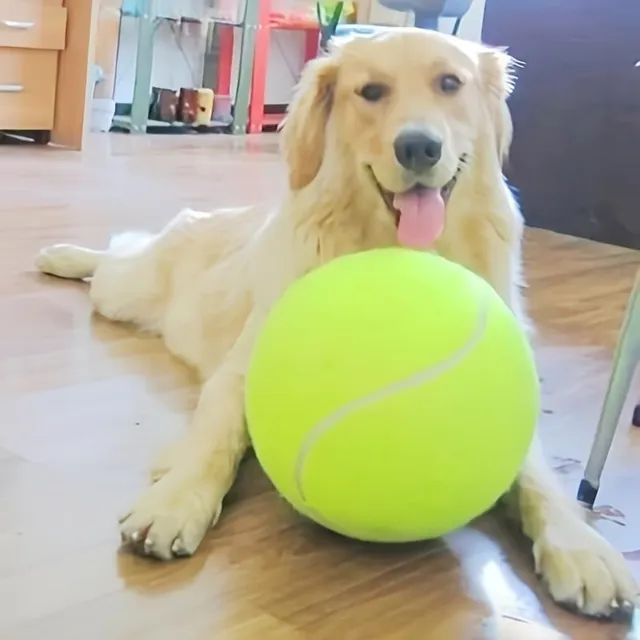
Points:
[(408, 108)]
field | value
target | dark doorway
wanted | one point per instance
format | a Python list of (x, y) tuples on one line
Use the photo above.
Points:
[(576, 109)]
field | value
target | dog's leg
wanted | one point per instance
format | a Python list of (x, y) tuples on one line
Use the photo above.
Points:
[(172, 516), (69, 261), (127, 279), (578, 565)]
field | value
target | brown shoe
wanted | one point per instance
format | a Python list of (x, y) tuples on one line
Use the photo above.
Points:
[(164, 105), (188, 105)]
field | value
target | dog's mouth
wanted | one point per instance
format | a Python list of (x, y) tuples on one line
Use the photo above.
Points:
[(419, 212)]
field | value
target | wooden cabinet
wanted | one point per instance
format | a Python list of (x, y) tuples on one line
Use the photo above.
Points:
[(46, 53), (576, 153), (31, 24), (27, 89)]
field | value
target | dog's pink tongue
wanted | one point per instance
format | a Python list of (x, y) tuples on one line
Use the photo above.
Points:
[(421, 217)]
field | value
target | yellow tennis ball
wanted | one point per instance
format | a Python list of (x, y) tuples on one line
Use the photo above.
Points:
[(391, 396)]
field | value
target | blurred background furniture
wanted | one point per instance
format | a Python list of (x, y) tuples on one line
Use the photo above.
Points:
[(224, 20), (269, 17), (625, 363), (243, 40), (427, 16), (46, 56), (429, 12), (149, 16)]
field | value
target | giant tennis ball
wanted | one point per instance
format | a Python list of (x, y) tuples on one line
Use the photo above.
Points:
[(391, 396)]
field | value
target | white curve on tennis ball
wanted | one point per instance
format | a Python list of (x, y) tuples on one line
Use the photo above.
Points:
[(323, 426)]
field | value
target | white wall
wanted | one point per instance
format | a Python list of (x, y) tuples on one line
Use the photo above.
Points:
[(179, 50), (471, 27)]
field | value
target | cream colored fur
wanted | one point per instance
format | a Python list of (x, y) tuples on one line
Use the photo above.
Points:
[(206, 281)]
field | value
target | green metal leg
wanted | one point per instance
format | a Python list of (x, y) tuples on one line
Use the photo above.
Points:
[(245, 70), (144, 66), (209, 69)]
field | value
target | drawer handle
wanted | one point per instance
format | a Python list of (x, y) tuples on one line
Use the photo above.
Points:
[(11, 88), (16, 24)]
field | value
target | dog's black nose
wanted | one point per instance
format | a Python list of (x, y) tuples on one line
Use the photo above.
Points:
[(417, 149)]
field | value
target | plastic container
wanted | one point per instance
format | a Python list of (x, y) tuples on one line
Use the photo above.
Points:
[(221, 108), (102, 112)]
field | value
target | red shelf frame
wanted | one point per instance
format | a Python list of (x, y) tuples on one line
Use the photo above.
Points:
[(267, 22)]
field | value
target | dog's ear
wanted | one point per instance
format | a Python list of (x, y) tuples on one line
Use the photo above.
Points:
[(497, 73), (304, 127)]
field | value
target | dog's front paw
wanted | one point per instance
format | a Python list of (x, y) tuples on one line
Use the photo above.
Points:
[(582, 570), (171, 518)]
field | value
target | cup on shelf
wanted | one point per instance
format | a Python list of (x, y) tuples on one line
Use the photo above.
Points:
[(164, 105), (205, 100)]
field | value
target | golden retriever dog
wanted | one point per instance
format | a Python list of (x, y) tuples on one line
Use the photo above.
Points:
[(395, 138)]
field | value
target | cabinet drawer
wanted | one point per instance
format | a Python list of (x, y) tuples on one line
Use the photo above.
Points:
[(27, 88), (32, 25)]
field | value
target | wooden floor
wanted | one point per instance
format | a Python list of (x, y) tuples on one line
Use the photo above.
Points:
[(83, 404)]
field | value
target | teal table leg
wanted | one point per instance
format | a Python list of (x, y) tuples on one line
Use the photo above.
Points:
[(245, 70), (209, 71), (144, 66)]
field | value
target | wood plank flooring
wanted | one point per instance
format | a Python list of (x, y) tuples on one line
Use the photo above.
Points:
[(84, 404)]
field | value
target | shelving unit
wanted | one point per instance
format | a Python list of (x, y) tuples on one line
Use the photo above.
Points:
[(138, 121), (255, 20), (267, 22), (47, 49)]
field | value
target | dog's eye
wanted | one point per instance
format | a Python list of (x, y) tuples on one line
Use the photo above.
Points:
[(373, 91), (449, 83)]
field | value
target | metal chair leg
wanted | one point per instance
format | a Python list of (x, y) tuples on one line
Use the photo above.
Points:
[(625, 362), (636, 416)]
